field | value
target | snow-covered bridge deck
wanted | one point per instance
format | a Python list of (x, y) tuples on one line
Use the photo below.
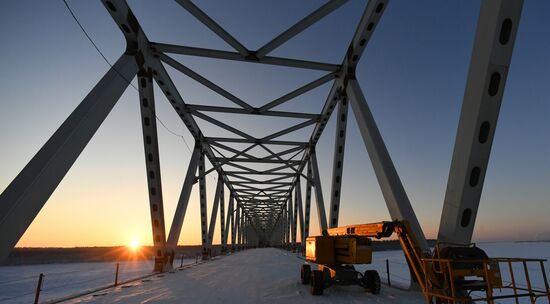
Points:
[(253, 276)]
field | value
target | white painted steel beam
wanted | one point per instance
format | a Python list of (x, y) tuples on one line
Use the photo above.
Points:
[(183, 202), (214, 214), (203, 207), (493, 45), (394, 194), (300, 26), (219, 54), (338, 161), (292, 219), (213, 26), (298, 198), (223, 230), (25, 196), (207, 83), (307, 211), (152, 165), (229, 219), (321, 214)]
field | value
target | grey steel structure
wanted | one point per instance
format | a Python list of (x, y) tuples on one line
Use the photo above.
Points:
[(262, 209)]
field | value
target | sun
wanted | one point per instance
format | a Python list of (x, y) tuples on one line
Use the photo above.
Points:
[(134, 245)]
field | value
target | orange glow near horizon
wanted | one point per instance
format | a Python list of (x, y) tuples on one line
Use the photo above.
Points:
[(134, 245)]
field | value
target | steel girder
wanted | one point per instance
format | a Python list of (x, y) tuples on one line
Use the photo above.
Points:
[(493, 45), (28, 192), (152, 165), (338, 162), (183, 201)]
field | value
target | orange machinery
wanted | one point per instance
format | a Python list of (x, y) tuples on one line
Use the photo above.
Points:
[(449, 274)]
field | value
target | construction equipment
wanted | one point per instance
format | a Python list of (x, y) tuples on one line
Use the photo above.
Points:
[(449, 274)]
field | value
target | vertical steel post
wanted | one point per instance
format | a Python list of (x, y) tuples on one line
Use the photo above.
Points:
[(238, 227), (298, 200), (388, 271), (38, 288), (394, 194), (28, 192), (228, 220), (338, 161), (183, 201), (308, 200), (234, 220), (203, 207), (241, 229), (294, 222), (214, 214), (246, 228), (152, 165), (292, 219), (493, 45), (322, 215), (222, 221), (116, 274)]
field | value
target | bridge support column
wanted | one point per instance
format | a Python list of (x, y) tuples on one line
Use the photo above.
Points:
[(163, 257), (318, 191), (233, 221), (238, 227), (298, 204), (292, 217), (203, 207), (494, 42), (183, 202), (215, 205), (223, 238), (338, 162), (25, 196), (228, 220), (392, 189), (308, 201)]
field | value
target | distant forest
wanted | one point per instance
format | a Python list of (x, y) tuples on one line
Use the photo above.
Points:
[(29, 256)]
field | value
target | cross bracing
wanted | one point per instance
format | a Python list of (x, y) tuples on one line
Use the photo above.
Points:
[(263, 173)]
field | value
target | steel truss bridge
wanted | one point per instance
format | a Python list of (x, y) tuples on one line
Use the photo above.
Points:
[(265, 205)]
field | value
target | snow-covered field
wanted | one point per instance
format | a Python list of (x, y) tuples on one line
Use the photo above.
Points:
[(253, 276), (18, 283)]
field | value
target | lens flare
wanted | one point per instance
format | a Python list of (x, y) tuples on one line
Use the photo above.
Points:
[(134, 244)]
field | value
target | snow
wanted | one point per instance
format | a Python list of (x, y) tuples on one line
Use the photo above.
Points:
[(265, 275), (18, 283)]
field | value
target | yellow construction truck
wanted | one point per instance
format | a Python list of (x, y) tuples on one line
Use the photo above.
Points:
[(448, 274)]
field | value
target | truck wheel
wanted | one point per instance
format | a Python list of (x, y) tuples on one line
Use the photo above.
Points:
[(317, 283), (371, 281), (305, 273)]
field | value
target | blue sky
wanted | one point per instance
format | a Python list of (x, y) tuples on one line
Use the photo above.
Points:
[(413, 75)]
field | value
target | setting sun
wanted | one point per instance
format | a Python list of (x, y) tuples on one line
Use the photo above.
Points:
[(134, 244)]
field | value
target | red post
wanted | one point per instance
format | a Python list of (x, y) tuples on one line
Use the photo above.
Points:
[(116, 275), (38, 288), (388, 271)]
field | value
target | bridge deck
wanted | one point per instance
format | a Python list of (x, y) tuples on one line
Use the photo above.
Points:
[(254, 276)]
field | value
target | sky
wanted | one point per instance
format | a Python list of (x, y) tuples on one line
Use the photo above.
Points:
[(413, 74)]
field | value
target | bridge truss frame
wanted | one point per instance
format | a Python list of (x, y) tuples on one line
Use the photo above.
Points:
[(265, 210)]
